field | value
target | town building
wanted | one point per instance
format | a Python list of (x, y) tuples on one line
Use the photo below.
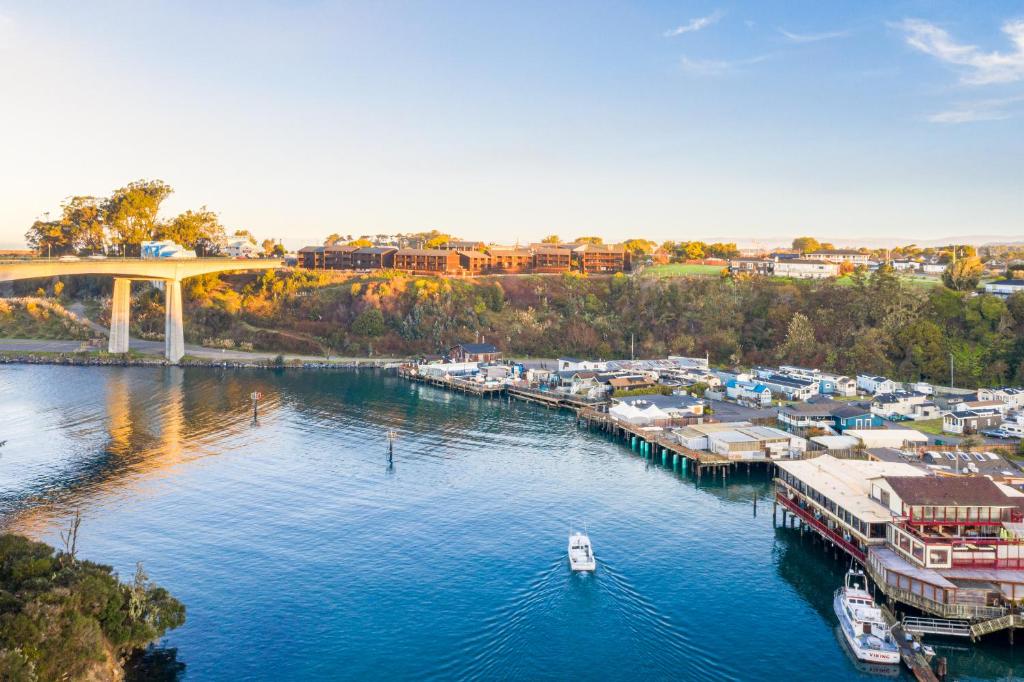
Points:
[(788, 386), (1013, 397), (1005, 287), (748, 392), (805, 268), (474, 352), (852, 256), (873, 385), (751, 266), (241, 248), (969, 421), (575, 364), (947, 545), (904, 405)]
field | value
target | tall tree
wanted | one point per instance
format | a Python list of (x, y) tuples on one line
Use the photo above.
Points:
[(963, 274), (551, 239), (588, 240), (801, 347), (51, 238), (199, 230), (332, 239), (84, 216), (131, 212), (806, 244)]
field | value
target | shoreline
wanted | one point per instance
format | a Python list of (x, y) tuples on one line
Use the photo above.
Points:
[(87, 359)]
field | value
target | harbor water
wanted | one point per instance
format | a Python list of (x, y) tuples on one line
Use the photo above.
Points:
[(301, 553)]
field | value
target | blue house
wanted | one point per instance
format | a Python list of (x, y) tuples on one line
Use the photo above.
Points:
[(853, 417)]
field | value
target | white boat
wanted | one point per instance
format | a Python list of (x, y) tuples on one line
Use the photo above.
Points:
[(581, 554), (862, 623)]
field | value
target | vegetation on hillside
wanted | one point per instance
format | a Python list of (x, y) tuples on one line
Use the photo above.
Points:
[(870, 323), (38, 318), (65, 618)]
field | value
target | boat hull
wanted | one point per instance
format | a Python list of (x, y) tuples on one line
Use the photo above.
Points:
[(859, 649)]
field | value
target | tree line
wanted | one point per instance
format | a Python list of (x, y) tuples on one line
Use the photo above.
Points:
[(119, 223)]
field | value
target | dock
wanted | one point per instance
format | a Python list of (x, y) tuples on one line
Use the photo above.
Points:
[(656, 441)]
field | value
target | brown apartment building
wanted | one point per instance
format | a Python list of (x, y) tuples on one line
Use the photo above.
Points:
[(312, 257), (599, 258), (374, 257), (511, 260), (338, 257), (433, 261), (551, 259), (474, 262)]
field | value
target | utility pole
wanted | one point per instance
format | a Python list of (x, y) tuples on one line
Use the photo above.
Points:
[(951, 370), (632, 354)]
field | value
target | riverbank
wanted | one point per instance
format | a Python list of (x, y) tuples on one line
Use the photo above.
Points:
[(101, 359)]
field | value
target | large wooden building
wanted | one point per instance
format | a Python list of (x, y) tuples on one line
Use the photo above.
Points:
[(428, 261)]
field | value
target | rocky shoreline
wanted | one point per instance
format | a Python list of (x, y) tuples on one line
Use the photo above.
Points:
[(90, 360)]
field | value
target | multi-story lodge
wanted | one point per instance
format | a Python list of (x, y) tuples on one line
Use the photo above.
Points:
[(374, 257), (430, 261), (600, 258), (312, 257), (339, 257), (474, 262), (510, 260), (552, 259), (951, 546)]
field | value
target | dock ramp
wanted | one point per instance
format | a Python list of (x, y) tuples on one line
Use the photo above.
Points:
[(937, 626)]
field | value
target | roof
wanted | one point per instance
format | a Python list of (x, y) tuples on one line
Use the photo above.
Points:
[(473, 254), (847, 410), (1007, 282), (806, 261), (664, 402), (838, 252), (847, 482), (442, 253), (949, 491), (602, 248), (312, 249), (809, 409), (341, 247), (376, 249), (477, 347)]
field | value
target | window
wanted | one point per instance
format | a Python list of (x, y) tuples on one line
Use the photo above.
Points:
[(884, 497)]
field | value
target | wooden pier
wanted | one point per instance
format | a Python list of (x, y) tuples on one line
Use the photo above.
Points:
[(656, 441)]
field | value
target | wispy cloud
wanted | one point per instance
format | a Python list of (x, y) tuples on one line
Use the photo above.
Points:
[(717, 67), (697, 24), (982, 110), (979, 67), (813, 37)]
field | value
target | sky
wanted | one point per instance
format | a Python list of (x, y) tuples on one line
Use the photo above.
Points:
[(752, 122)]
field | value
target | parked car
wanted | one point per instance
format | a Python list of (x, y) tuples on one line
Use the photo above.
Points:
[(998, 433), (96, 256), (68, 258)]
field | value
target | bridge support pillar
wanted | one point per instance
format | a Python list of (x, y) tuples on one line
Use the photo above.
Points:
[(174, 329), (119, 311)]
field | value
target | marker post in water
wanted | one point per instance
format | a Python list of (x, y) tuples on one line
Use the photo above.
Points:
[(256, 397), (392, 435)]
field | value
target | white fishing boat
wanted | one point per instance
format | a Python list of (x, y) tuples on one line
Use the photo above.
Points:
[(862, 623), (581, 554)]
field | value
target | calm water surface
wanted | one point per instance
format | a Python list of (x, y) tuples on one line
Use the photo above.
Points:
[(302, 555)]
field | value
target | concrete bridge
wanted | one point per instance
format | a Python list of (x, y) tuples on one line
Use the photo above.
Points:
[(168, 271)]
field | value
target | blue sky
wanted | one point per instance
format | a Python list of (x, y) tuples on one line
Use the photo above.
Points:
[(670, 120)]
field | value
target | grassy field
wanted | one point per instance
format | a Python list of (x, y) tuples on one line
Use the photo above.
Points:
[(932, 426), (683, 270)]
